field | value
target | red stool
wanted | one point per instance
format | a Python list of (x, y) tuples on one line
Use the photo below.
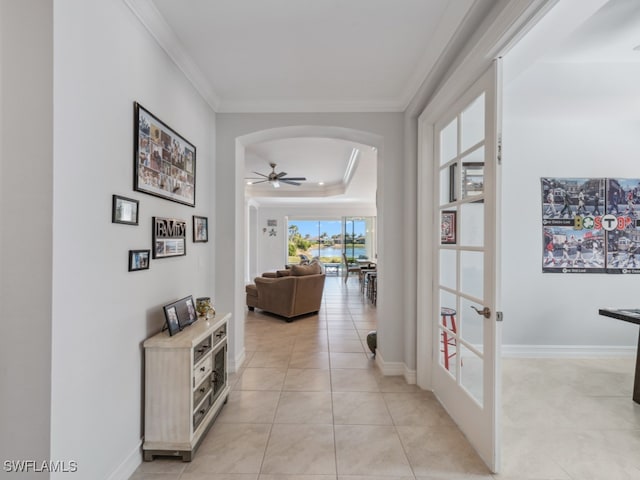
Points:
[(448, 340)]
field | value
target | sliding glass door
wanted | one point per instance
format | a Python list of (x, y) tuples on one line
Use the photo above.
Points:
[(328, 239)]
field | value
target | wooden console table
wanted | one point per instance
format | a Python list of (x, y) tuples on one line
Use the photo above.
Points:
[(632, 316)]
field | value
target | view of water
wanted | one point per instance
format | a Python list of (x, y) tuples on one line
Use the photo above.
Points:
[(337, 252)]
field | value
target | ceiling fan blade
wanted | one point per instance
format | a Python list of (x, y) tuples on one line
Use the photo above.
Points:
[(281, 174), (294, 178), (259, 181), (261, 174), (289, 182)]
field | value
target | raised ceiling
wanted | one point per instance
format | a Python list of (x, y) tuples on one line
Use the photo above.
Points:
[(335, 170)]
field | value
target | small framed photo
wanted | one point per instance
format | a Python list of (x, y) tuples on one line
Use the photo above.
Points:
[(124, 210), (448, 227), (139, 260), (171, 317), (200, 229), (192, 316)]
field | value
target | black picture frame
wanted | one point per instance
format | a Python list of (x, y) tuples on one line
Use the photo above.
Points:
[(200, 229), (171, 318), (452, 183), (139, 260), (124, 210), (164, 162), (184, 311), (169, 237)]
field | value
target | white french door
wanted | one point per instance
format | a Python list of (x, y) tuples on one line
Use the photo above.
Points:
[(466, 328)]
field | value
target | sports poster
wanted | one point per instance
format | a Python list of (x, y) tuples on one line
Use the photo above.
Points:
[(590, 225)]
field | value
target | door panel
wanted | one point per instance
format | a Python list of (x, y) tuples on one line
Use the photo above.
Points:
[(466, 334)]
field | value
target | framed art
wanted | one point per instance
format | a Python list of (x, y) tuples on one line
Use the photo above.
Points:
[(472, 179), (124, 210), (164, 162), (181, 312), (200, 229), (139, 260), (171, 317), (169, 237), (186, 308), (448, 227)]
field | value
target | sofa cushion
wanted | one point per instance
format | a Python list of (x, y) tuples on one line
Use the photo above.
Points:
[(283, 273), (269, 274), (302, 270)]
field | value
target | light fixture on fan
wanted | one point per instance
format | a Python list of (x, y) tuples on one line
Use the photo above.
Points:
[(276, 179)]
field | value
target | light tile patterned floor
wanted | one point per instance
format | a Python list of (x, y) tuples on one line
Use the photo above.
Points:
[(310, 404)]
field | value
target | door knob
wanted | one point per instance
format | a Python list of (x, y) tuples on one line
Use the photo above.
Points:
[(485, 312)]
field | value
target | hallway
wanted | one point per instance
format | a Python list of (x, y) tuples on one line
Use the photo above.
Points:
[(310, 404)]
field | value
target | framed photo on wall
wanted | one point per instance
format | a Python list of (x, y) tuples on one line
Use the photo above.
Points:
[(200, 229), (169, 237), (139, 260), (164, 162), (124, 210), (448, 227)]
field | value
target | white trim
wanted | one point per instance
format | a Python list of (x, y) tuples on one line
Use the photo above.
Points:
[(409, 375), (424, 290), (566, 351), (389, 369), (302, 106), (154, 22), (237, 362), (395, 369), (129, 464)]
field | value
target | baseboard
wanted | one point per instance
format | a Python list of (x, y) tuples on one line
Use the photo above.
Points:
[(395, 369), (128, 465), (410, 376), (565, 351), (236, 363)]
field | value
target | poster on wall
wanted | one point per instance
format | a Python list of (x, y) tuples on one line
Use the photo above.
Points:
[(590, 225), (622, 225)]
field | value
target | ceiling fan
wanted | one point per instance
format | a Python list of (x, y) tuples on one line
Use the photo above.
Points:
[(276, 178)]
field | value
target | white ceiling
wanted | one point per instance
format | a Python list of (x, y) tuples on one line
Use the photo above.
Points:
[(580, 70), (347, 170), (301, 55), (373, 55)]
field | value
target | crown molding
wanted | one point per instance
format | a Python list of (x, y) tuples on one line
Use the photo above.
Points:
[(315, 105), (156, 25), (448, 27)]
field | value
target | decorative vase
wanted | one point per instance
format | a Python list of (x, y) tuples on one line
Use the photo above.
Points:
[(204, 307), (372, 341)]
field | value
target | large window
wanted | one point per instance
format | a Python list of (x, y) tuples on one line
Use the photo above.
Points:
[(328, 239)]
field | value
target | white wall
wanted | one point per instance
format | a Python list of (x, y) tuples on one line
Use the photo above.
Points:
[(271, 251), (104, 61), (26, 190), (553, 309), (231, 225)]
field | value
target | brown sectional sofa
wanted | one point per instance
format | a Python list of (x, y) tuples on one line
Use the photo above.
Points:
[(288, 293)]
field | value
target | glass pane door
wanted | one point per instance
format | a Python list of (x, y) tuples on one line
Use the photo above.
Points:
[(466, 373)]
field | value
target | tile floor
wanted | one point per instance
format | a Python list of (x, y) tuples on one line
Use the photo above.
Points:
[(310, 404)]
